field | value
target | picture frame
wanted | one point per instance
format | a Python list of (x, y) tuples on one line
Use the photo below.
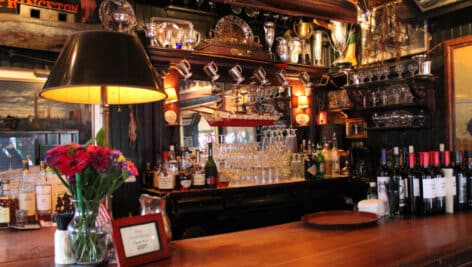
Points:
[(356, 128), (140, 239), (457, 54), (402, 39), (426, 5)]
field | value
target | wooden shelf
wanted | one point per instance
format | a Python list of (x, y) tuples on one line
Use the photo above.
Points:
[(166, 57)]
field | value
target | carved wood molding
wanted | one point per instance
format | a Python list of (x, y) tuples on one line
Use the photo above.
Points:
[(339, 10)]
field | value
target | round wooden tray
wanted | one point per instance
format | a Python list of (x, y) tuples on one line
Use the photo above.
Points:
[(340, 219)]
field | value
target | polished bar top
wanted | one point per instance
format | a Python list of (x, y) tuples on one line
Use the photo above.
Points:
[(397, 242)]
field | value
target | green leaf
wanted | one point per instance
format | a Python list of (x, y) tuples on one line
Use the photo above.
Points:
[(100, 138)]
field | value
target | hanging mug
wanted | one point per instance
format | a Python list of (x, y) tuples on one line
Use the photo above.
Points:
[(282, 78), (260, 75), (236, 73), (211, 69), (183, 67)]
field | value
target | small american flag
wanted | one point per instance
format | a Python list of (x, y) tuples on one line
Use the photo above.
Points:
[(104, 216)]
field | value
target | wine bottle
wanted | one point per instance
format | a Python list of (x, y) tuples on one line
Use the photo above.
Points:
[(427, 189), (309, 165), (398, 183), (319, 163), (383, 177), (211, 172), (413, 178), (439, 182), (461, 182), (468, 167)]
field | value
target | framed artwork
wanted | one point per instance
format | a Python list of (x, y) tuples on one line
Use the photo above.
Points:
[(338, 100), (457, 69), (356, 128), (140, 239), (384, 36), (426, 5)]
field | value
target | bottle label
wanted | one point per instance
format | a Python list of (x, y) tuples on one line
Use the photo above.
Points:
[(312, 170), (43, 197), (462, 181), (416, 187), (186, 183), (405, 187), (401, 190), (321, 170), (166, 182), (428, 188), (381, 187), (4, 215), (211, 180), (26, 202), (440, 186), (199, 179)]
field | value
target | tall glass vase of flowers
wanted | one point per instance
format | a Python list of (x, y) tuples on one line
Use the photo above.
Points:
[(90, 173)]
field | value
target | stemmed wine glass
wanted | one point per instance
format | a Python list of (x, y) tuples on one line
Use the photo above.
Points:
[(412, 68), (399, 69), (269, 33)]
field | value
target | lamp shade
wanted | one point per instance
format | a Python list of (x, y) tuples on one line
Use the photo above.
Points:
[(303, 101), (103, 67)]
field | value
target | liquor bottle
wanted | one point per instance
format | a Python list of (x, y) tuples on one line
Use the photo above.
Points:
[(5, 204), (172, 166), (166, 180), (148, 176), (198, 172), (336, 165), (427, 186), (439, 183), (26, 196), (211, 172), (309, 164), (441, 155), (326, 152), (398, 183), (319, 163), (184, 178), (372, 191), (156, 172), (460, 175), (413, 179), (383, 177), (43, 194)]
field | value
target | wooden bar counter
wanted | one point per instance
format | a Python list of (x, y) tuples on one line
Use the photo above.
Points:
[(434, 241)]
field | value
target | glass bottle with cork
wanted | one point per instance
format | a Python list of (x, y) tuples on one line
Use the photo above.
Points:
[(26, 197)]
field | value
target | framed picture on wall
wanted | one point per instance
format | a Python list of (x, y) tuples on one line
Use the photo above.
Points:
[(356, 128), (426, 5)]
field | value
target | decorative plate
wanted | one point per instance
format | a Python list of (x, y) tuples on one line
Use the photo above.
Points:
[(170, 116), (232, 28), (302, 119)]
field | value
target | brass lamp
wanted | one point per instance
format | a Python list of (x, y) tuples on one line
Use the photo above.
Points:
[(103, 67)]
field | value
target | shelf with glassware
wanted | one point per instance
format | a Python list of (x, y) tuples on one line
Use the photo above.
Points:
[(390, 98)]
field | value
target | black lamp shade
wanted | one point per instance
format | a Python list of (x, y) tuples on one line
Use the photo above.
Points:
[(102, 62)]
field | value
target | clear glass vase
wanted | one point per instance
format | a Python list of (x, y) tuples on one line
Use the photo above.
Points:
[(88, 239)]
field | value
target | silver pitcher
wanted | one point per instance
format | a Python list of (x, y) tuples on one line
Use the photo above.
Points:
[(154, 204)]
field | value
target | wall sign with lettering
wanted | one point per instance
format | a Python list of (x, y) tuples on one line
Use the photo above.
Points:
[(140, 239)]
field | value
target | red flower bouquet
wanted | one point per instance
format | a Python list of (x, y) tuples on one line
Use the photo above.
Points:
[(90, 173)]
